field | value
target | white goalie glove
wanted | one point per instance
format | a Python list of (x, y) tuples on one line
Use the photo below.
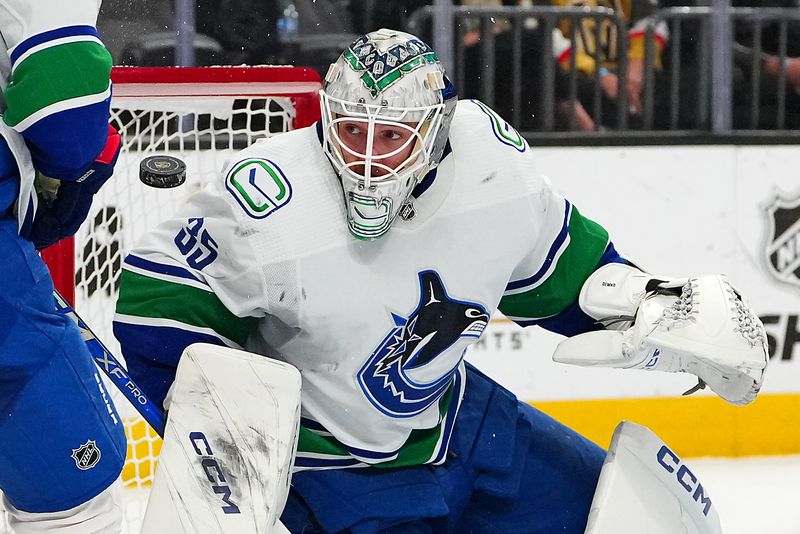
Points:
[(698, 325)]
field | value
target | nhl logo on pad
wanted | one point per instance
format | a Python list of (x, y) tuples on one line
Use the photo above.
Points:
[(86, 456)]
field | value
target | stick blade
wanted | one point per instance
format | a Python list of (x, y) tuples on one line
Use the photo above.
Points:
[(229, 444)]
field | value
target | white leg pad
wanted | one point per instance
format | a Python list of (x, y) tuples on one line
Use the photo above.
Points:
[(229, 445), (100, 515), (645, 487)]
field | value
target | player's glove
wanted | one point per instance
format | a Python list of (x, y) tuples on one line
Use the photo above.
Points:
[(699, 325), (65, 204)]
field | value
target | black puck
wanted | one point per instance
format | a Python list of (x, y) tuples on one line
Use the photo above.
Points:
[(162, 172)]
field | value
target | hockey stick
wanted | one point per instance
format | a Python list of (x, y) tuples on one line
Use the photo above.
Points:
[(112, 368), (160, 172), (256, 449), (233, 473)]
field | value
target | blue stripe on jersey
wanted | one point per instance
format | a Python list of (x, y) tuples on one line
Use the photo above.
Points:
[(62, 151), (559, 240), (163, 344), (313, 425), (371, 455), (316, 463), (160, 268), (52, 35)]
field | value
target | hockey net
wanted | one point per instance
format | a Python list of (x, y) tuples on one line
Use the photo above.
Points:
[(203, 116)]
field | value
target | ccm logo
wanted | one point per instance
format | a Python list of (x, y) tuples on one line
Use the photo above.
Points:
[(213, 471), (672, 464)]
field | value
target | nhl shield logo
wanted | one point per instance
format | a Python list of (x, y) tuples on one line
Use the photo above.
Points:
[(86, 456), (782, 242)]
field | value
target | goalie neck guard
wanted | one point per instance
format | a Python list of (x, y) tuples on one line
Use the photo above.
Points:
[(388, 91)]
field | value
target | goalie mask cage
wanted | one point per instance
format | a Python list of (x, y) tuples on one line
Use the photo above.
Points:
[(202, 115)]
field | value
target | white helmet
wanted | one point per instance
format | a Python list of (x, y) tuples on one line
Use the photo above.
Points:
[(385, 77)]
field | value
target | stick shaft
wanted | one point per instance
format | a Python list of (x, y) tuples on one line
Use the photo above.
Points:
[(112, 368)]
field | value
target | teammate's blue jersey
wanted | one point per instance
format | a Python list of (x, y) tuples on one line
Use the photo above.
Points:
[(61, 441), (56, 95)]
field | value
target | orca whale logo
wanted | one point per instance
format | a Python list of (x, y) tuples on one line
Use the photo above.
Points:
[(404, 375)]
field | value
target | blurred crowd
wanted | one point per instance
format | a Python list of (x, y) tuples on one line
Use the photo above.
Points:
[(584, 59)]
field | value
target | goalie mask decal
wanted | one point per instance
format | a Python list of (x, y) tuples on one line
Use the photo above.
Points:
[(381, 70), (782, 242), (405, 375)]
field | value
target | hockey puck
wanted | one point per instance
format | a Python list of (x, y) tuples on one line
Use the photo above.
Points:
[(162, 172)]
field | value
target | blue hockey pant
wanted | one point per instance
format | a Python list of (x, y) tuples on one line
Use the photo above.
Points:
[(61, 440), (510, 469)]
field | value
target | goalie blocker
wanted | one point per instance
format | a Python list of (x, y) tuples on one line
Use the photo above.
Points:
[(698, 325)]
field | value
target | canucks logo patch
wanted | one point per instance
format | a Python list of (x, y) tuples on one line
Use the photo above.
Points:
[(504, 132), (259, 186), (415, 363)]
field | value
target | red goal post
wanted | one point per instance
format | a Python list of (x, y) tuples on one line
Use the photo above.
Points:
[(300, 85)]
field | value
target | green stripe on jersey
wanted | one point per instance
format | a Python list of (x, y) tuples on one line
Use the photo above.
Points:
[(588, 241), (54, 75), (143, 296), (422, 444), (418, 449)]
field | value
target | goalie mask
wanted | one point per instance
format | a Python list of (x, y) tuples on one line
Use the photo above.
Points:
[(386, 112)]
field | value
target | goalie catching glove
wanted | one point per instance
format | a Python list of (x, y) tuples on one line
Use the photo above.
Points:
[(698, 325)]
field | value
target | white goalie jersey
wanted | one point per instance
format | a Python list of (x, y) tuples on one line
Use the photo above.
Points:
[(263, 259)]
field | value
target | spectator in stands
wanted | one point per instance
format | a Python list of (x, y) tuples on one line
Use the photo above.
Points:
[(770, 66), (531, 74), (602, 56)]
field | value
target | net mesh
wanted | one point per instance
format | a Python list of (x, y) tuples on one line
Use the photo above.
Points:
[(127, 209)]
